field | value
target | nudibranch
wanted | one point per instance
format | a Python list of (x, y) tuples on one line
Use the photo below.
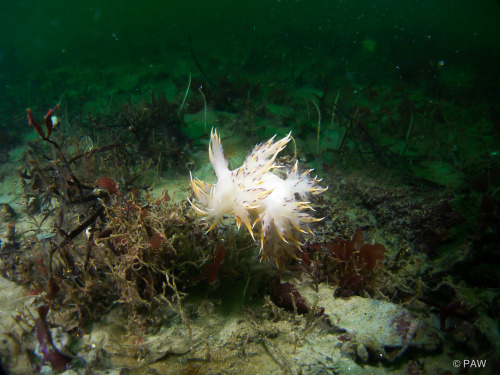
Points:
[(272, 207)]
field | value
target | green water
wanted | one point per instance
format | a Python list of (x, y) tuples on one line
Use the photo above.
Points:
[(449, 48), (408, 36)]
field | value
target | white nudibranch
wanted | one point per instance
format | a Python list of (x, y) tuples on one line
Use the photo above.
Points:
[(261, 200)]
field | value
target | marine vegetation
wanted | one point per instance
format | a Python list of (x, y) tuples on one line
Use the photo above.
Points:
[(153, 126), (351, 265), (253, 193), (95, 245), (95, 238)]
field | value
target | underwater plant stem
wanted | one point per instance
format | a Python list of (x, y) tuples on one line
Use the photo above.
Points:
[(205, 108), (170, 282), (110, 102), (245, 290), (75, 232), (407, 138), (335, 108), (197, 63), (185, 95), (319, 124)]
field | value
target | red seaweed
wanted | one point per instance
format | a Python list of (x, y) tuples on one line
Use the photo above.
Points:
[(211, 270), (349, 264), (34, 124), (57, 359), (48, 119), (156, 241), (109, 184), (286, 296)]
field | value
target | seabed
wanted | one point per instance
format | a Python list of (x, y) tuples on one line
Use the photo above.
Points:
[(106, 268)]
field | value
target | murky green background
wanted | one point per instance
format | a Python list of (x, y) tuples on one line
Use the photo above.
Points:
[(407, 35), (96, 54)]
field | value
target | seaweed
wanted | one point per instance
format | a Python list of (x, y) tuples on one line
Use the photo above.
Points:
[(211, 270), (58, 360), (285, 295), (153, 126), (351, 265), (130, 244)]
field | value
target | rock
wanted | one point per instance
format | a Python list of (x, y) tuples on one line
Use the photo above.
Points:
[(7, 213), (373, 329), (32, 206)]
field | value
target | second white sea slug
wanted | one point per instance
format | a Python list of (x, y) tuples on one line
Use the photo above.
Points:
[(272, 207)]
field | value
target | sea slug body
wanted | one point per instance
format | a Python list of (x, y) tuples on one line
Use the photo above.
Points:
[(272, 208)]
